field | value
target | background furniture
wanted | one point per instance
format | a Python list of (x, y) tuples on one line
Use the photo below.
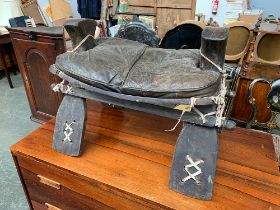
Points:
[(36, 49), (235, 53), (251, 69), (6, 49), (138, 31), (126, 165), (168, 13), (186, 35)]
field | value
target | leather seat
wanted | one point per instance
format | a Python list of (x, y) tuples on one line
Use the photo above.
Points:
[(133, 68)]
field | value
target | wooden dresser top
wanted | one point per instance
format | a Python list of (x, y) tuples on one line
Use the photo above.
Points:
[(130, 152)]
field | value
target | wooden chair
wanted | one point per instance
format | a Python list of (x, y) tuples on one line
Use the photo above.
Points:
[(237, 46), (267, 48), (238, 41), (186, 35)]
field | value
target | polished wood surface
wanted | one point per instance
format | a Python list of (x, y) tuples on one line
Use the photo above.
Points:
[(5, 38), (242, 110), (126, 162), (35, 52)]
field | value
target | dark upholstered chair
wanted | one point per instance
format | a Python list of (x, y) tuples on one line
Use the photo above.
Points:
[(187, 35)]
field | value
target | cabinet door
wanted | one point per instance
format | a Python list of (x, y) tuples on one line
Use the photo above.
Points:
[(35, 58)]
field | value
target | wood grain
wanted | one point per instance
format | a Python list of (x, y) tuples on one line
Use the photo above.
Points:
[(126, 163), (242, 110), (169, 12)]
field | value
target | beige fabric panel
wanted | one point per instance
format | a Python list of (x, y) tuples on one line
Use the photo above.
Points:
[(269, 48), (237, 40)]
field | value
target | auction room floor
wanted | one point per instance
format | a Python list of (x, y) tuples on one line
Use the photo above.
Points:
[(14, 125)]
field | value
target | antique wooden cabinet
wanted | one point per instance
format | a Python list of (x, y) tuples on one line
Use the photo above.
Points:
[(126, 162), (36, 49)]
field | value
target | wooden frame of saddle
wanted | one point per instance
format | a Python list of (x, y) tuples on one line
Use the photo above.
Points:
[(194, 162)]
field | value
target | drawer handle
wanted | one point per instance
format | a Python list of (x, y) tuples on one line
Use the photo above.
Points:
[(49, 182), (51, 207)]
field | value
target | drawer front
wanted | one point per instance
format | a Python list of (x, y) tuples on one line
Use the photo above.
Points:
[(55, 196), (66, 190), (38, 206)]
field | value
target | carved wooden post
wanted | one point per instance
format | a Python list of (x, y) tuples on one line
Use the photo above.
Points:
[(70, 125), (194, 163), (213, 46)]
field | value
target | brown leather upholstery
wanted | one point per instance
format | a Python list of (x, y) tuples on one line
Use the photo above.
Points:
[(136, 69)]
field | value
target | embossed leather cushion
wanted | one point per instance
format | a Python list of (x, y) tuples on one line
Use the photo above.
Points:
[(133, 68)]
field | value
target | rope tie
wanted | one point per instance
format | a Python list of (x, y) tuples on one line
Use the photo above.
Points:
[(58, 86), (220, 100)]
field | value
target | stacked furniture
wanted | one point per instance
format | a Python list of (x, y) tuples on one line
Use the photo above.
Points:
[(168, 13), (262, 61), (235, 53)]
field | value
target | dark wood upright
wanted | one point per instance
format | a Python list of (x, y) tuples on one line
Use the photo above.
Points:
[(125, 164), (36, 49)]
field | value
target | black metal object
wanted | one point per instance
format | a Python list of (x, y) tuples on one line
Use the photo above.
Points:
[(185, 36), (233, 73), (274, 96), (197, 143)]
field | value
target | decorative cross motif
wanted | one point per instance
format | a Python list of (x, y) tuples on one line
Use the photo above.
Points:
[(68, 90), (68, 131), (195, 165)]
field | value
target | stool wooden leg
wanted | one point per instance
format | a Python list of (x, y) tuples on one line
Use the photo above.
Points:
[(70, 126), (194, 163), (6, 68)]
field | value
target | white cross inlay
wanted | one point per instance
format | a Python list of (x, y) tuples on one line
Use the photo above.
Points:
[(192, 164), (69, 89), (68, 131)]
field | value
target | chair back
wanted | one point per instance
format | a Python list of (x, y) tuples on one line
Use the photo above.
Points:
[(187, 35), (267, 48), (238, 41)]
